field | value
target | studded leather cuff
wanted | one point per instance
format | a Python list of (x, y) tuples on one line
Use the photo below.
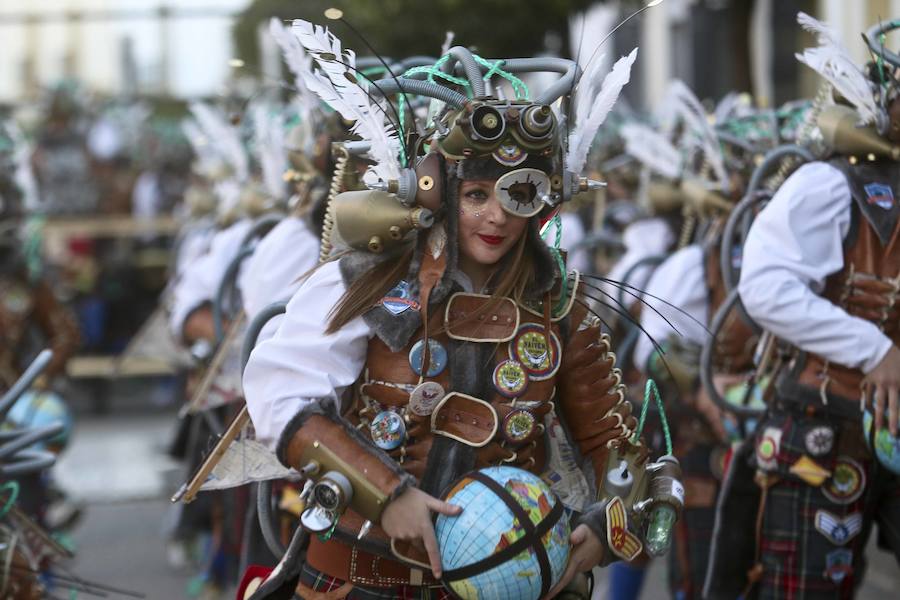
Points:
[(319, 423)]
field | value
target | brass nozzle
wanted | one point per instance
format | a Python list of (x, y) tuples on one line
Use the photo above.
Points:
[(838, 125)]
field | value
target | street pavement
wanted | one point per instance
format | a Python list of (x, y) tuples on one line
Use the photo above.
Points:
[(117, 465)]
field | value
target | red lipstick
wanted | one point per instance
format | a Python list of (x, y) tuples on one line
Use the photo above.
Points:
[(491, 240)]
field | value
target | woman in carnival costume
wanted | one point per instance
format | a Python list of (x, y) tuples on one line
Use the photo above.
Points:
[(444, 335)]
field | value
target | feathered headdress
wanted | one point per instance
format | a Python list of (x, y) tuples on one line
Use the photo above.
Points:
[(591, 109), (698, 134), (268, 136), (832, 61), (338, 84), (223, 136), (653, 149), (299, 63)]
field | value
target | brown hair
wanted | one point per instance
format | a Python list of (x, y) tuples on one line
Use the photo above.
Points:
[(515, 271)]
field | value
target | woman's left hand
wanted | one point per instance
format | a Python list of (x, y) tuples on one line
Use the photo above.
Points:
[(587, 551)]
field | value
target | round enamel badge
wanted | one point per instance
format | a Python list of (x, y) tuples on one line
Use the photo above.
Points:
[(510, 378), (518, 425), (437, 357), (425, 397), (536, 352), (819, 440), (766, 449), (388, 430), (510, 155), (847, 482)]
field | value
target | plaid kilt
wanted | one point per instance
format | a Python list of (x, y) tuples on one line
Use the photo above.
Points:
[(793, 553), (320, 582)]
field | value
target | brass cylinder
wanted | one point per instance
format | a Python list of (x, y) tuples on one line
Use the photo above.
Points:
[(703, 200), (374, 220), (838, 125)]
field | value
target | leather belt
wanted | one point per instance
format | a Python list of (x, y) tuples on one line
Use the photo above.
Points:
[(349, 563)]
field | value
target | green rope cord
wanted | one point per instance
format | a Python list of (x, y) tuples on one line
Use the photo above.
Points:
[(648, 389), (519, 87), (557, 255), (13, 488), (433, 71)]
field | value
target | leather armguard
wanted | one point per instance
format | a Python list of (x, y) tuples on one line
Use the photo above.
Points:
[(319, 424), (592, 398)]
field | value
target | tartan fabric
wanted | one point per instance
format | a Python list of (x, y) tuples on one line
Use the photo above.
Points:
[(793, 553), (320, 582)]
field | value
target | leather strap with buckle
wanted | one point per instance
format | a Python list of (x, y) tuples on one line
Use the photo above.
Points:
[(349, 563)]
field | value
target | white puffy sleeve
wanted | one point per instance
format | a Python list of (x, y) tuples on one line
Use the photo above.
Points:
[(795, 243), (201, 278), (273, 271), (680, 281), (300, 363)]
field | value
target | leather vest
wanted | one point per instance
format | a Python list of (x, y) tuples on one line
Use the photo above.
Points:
[(868, 285), (471, 412)]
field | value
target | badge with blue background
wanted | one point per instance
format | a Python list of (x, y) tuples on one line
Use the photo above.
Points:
[(838, 564), (880, 194), (838, 530), (399, 299)]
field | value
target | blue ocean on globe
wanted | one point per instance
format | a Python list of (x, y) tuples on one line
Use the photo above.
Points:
[(486, 526)]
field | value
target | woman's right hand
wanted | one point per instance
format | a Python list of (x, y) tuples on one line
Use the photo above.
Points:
[(408, 517)]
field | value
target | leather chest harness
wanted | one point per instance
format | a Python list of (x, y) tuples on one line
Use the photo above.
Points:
[(500, 335)]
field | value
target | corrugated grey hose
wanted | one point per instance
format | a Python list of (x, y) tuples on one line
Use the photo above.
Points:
[(263, 488), (16, 458), (733, 300), (463, 56), (394, 85), (750, 198), (226, 286)]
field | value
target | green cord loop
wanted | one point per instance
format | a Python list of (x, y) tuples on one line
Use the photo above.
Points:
[(648, 389), (557, 255), (13, 488)]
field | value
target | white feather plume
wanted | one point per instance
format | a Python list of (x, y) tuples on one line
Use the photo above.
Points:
[(223, 136), (824, 34), (653, 149), (298, 62), (268, 134), (587, 90), (699, 133), (832, 61), (206, 157), (582, 135), (336, 84)]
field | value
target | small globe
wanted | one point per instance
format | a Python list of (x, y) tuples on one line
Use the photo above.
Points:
[(511, 540), (887, 447), (39, 409)]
